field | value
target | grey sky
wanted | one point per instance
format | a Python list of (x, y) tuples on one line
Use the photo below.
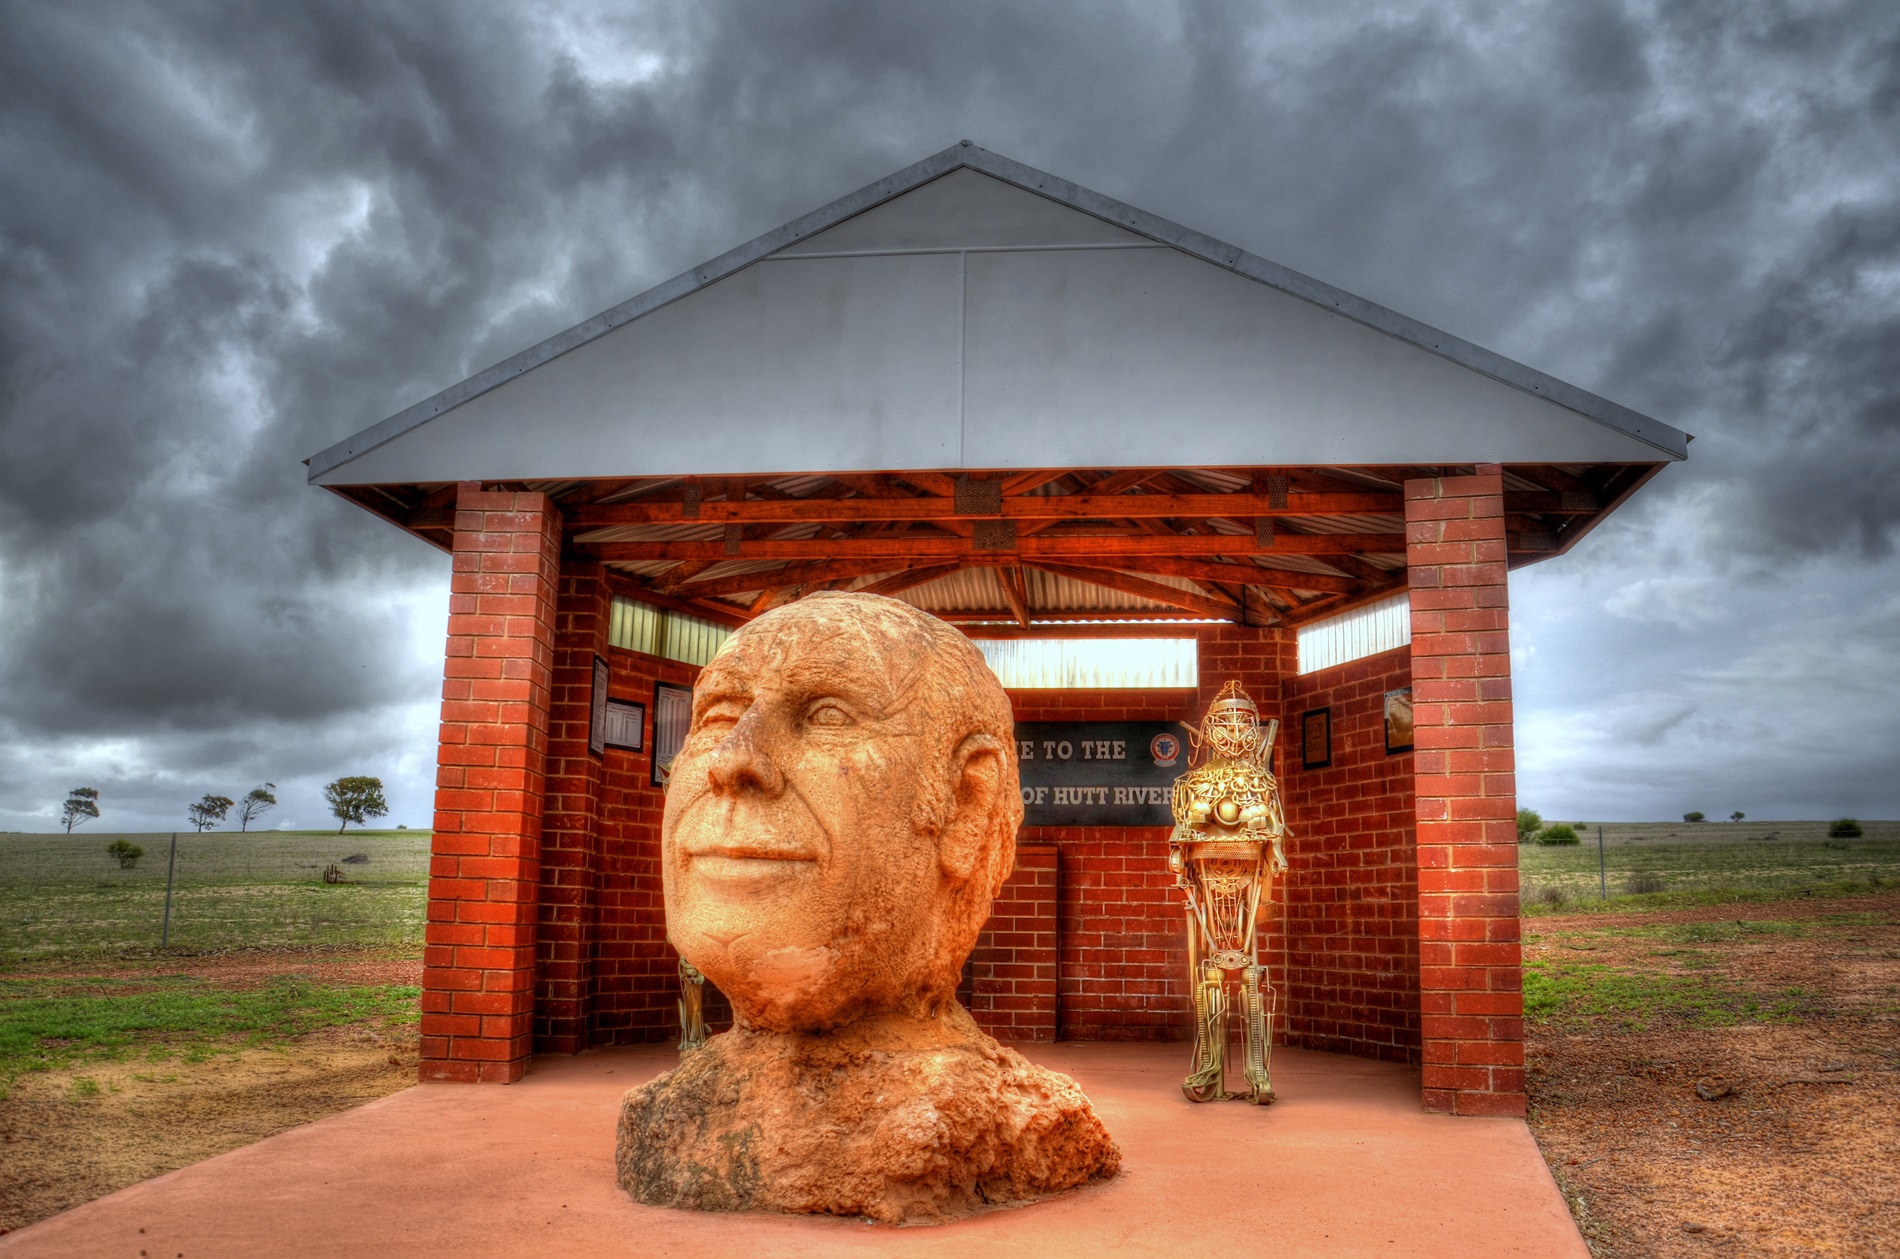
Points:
[(230, 235)]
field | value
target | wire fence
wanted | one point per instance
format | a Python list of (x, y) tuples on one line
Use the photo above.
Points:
[(87, 893), (1714, 858)]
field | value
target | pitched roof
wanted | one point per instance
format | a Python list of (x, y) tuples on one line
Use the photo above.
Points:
[(973, 312)]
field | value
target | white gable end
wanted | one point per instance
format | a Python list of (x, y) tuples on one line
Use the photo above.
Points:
[(970, 322)]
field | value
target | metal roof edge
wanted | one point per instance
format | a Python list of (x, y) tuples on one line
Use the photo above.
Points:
[(682, 285), (1670, 441)]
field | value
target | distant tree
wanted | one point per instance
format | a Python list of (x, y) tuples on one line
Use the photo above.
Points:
[(124, 852), (1560, 833), (1843, 828), (1529, 822), (82, 805), (356, 800), (209, 811), (1694, 817), (260, 801), (1737, 816)]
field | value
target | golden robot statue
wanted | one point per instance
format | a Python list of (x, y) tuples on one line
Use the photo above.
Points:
[(1226, 850)]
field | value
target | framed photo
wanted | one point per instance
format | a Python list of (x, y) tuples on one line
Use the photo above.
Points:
[(1316, 738), (597, 715), (1398, 720), (626, 725), (672, 714)]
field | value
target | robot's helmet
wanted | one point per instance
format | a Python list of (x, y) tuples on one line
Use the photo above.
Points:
[(1232, 723)]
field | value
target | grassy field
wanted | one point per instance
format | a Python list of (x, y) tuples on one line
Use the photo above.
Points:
[(1657, 864), (63, 896)]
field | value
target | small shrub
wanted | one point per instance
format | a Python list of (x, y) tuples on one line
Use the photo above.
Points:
[(1695, 817), (1561, 833), (127, 854), (1643, 883), (1843, 828), (1529, 822), (1554, 897), (356, 859)]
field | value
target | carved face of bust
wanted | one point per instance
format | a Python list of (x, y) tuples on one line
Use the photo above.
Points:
[(841, 815)]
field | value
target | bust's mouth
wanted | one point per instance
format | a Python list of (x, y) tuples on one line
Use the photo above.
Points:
[(749, 861)]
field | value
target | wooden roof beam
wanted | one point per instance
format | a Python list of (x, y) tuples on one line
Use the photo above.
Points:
[(1022, 507), (1074, 547), (1141, 588)]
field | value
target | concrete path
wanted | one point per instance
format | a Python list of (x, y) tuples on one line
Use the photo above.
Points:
[(1345, 1164)]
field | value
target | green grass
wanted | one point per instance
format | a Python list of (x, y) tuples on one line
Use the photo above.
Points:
[(63, 896), (48, 1023), (1578, 993), (1710, 863)]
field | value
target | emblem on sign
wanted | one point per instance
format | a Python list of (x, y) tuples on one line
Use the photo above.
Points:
[(1166, 749)]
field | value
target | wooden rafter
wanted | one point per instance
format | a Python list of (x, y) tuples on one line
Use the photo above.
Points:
[(1144, 589), (789, 575), (899, 582), (1075, 546), (1025, 507), (1015, 594)]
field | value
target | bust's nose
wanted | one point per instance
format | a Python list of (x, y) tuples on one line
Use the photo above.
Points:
[(741, 761)]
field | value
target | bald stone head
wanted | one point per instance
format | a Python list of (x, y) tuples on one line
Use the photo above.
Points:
[(842, 814)]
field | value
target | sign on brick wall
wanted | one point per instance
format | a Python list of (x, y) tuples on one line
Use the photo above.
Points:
[(1099, 773)]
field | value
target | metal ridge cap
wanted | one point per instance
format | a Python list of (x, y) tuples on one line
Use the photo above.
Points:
[(1652, 432), (667, 291)]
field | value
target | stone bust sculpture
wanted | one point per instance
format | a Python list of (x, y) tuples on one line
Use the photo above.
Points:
[(837, 824)]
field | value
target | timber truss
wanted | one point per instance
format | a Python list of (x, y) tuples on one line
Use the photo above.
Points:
[(1258, 546)]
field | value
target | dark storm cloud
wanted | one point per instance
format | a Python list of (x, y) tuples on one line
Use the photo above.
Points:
[(231, 235)]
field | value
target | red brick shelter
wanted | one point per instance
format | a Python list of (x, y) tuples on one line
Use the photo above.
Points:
[(1052, 419)]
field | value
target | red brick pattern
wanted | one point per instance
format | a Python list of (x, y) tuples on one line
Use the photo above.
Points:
[(635, 981), (571, 830), (1014, 963), (478, 966), (1470, 968), (1351, 982)]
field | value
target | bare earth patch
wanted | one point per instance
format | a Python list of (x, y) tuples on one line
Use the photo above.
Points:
[(1683, 1130), (70, 1135)]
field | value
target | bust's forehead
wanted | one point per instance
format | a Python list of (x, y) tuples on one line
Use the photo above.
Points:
[(876, 657)]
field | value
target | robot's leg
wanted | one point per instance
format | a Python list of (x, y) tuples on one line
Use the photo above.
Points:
[(1259, 1038), (1208, 1081)]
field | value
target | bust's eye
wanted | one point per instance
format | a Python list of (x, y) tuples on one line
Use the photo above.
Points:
[(826, 713), (718, 716)]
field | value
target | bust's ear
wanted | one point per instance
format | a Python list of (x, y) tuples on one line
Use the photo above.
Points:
[(978, 765)]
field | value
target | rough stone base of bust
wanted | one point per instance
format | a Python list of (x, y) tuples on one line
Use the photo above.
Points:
[(906, 1124)]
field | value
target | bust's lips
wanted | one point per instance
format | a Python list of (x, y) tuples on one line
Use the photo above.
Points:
[(748, 861)]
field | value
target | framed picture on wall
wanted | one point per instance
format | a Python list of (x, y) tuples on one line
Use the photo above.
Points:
[(1316, 738), (597, 716), (626, 725), (1398, 720), (672, 714)]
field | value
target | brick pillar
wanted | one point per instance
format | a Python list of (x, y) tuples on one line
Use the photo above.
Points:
[(1470, 968), (1014, 964), (478, 964), (570, 830)]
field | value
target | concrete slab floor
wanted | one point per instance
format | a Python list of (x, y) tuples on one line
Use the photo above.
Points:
[(1345, 1163)]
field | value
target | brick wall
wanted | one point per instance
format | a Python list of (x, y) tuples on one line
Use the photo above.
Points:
[(1013, 967), (570, 829), (1351, 981), (635, 974), (479, 944), (1471, 1001)]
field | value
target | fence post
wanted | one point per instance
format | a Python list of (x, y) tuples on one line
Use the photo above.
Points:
[(1603, 873), (171, 864)]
